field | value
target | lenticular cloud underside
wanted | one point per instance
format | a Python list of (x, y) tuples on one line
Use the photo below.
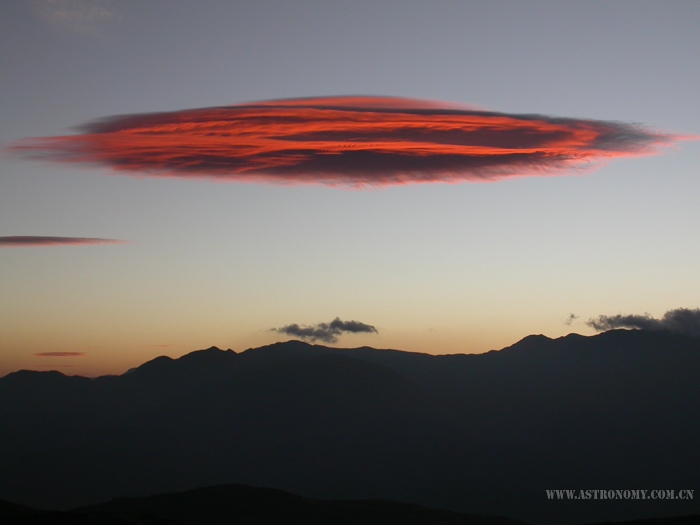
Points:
[(346, 141)]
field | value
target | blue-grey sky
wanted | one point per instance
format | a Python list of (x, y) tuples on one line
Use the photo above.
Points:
[(439, 268)]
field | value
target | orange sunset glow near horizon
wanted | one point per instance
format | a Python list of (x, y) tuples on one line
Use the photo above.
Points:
[(439, 178)]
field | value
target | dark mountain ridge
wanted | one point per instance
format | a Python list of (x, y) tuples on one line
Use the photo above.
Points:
[(484, 434), (241, 504)]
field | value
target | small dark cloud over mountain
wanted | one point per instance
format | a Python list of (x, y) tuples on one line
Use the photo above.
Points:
[(570, 319), (326, 332), (682, 321)]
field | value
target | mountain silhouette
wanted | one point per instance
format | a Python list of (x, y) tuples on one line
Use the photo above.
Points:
[(242, 504), (483, 434), (245, 505)]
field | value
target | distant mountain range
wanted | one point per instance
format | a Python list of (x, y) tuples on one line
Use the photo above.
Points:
[(482, 434)]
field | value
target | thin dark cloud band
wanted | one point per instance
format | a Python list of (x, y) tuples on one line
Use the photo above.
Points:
[(350, 141), (60, 354), (36, 240)]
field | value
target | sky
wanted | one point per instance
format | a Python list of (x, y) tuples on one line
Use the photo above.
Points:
[(112, 253)]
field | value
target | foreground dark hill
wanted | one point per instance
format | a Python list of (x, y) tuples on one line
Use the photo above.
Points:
[(246, 505), (484, 434), (242, 504)]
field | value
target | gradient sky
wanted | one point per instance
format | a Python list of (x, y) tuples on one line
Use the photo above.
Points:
[(439, 268)]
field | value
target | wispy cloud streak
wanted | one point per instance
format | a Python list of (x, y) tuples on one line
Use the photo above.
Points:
[(34, 240), (76, 16), (682, 321), (570, 319), (326, 332), (348, 141), (60, 354)]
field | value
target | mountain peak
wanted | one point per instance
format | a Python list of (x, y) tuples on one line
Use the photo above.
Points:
[(529, 343)]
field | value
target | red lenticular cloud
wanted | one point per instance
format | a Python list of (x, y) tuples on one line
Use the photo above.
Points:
[(60, 354), (349, 141), (33, 240)]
